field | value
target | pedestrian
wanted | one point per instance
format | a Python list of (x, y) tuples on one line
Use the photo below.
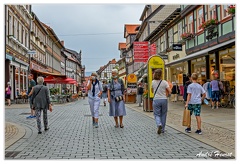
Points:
[(116, 98), (41, 102), (206, 87), (32, 83), (160, 100), (175, 91), (187, 83), (8, 91), (194, 102), (139, 94), (94, 87), (104, 93), (215, 86)]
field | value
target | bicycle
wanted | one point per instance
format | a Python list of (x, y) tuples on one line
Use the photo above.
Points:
[(228, 99)]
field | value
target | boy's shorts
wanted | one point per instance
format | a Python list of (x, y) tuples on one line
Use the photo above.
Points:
[(196, 108)]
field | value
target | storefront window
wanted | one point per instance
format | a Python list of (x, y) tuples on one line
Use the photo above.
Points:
[(199, 67), (20, 80), (177, 73), (227, 65)]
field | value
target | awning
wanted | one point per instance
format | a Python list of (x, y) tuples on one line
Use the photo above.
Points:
[(48, 73), (59, 80), (199, 53)]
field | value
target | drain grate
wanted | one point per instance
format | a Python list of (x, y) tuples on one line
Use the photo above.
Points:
[(11, 154), (25, 114)]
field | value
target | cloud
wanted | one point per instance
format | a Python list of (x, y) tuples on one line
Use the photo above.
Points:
[(72, 23)]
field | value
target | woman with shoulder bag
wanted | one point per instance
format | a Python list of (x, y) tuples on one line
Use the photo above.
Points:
[(116, 98), (160, 101)]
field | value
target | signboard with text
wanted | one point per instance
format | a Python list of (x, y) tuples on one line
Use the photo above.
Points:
[(142, 51)]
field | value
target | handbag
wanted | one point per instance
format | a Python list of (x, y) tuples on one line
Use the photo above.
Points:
[(119, 98), (186, 117)]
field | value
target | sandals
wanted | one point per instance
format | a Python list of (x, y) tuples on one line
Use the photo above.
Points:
[(116, 126), (121, 126)]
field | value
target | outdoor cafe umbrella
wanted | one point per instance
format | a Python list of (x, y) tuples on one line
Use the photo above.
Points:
[(58, 80)]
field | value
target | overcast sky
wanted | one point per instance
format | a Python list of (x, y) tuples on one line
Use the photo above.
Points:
[(94, 29)]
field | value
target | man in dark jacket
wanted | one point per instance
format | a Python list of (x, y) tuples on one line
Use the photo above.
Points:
[(41, 102)]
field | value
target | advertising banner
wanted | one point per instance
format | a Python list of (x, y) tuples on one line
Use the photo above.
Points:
[(154, 62)]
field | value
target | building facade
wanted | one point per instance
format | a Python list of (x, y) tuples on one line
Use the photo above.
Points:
[(17, 40)]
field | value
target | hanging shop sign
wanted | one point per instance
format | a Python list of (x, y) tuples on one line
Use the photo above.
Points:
[(177, 47)]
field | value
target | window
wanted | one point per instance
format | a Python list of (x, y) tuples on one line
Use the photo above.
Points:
[(10, 25), (170, 37), (179, 31), (18, 28), (190, 23), (200, 19), (211, 12), (224, 11), (22, 38), (26, 39)]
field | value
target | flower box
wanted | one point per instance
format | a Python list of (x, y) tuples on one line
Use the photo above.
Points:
[(209, 24), (187, 36), (231, 9)]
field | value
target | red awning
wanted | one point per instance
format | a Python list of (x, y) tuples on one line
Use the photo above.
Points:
[(59, 80)]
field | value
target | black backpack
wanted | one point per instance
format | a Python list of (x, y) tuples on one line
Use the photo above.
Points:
[(105, 88)]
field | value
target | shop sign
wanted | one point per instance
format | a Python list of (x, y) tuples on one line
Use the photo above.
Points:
[(132, 78), (9, 57), (163, 56), (19, 61), (177, 47), (176, 56), (38, 68), (33, 52), (131, 87), (154, 62)]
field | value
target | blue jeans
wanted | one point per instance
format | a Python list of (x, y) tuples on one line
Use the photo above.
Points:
[(160, 107)]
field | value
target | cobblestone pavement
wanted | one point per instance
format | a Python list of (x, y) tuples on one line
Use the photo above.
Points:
[(218, 126), (72, 136)]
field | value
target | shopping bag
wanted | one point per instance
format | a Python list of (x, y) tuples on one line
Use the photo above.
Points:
[(186, 117)]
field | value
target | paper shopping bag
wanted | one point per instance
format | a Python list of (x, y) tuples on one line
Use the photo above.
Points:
[(186, 117)]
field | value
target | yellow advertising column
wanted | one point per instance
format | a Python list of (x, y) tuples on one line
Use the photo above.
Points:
[(131, 88), (154, 62)]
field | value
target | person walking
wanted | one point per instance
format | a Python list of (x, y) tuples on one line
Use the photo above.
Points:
[(32, 83), (194, 102), (206, 87), (116, 98), (104, 93), (139, 94), (160, 101), (95, 89), (187, 83), (8, 93), (215, 86), (41, 102)]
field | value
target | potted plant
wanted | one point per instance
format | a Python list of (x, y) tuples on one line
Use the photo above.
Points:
[(231, 9), (209, 23), (187, 36)]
